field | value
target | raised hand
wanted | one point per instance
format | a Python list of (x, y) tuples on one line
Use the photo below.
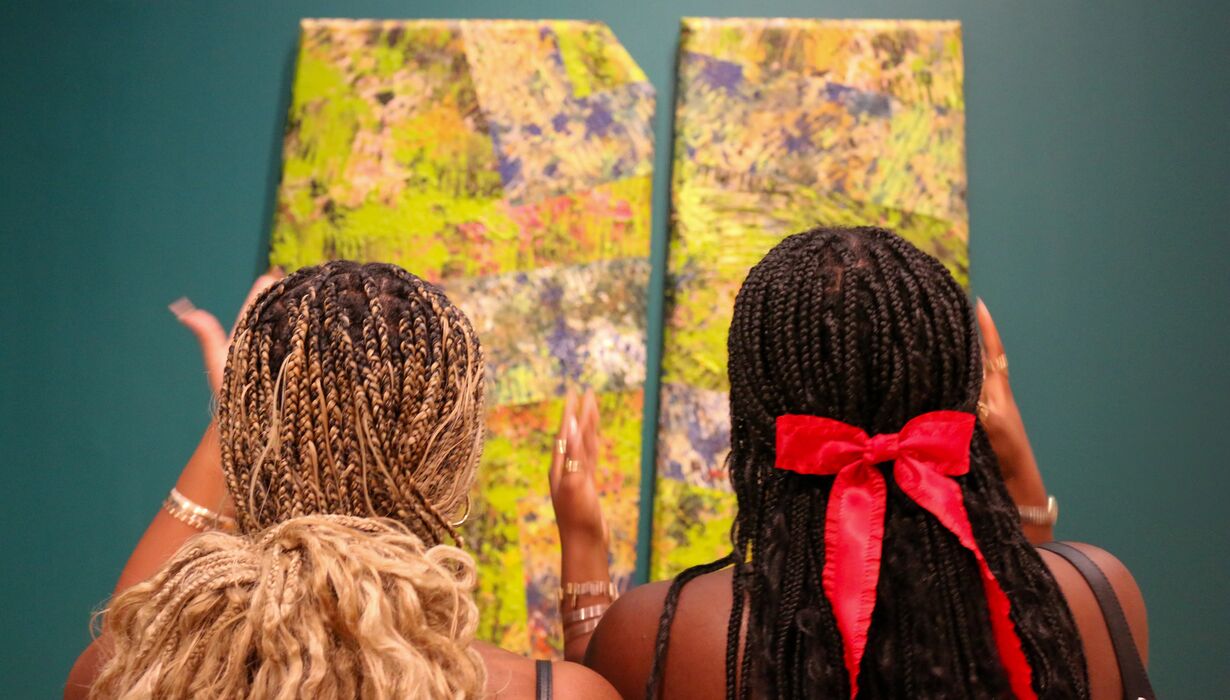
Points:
[(574, 495), (584, 550), (215, 341), (1005, 428)]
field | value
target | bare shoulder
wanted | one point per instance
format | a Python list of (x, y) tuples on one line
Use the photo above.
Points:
[(576, 681), (625, 644), (1080, 596), (622, 646), (514, 677), (639, 605), (1126, 588)]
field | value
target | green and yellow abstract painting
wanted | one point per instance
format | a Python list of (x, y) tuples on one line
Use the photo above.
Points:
[(509, 162), (782, 125)]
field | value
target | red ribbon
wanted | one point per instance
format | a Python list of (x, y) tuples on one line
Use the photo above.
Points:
[(928, 450)]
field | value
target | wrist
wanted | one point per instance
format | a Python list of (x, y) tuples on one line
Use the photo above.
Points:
[(1026, 487), (581, 538), (202, 479)]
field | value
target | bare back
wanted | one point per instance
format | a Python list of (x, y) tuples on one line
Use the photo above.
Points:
[(623, 646)]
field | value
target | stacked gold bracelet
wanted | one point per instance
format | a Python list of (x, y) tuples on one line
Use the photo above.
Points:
[(195, 515), (582, 621), (1045, 516), (574, 590)]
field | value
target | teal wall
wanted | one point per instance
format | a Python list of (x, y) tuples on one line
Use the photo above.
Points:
[(139, 150)]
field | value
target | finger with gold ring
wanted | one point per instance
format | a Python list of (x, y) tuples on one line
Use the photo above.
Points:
[(984, 411), (572, 466)]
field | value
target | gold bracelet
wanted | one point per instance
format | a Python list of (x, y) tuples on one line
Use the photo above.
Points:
[(589, 612), (581, 628), (1044, 516), (195, 515), (574, 590)]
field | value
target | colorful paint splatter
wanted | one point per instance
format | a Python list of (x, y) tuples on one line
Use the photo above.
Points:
[(510, 162), (783, 124)]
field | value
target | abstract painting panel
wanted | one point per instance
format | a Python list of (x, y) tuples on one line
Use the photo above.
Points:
[(782, 125), (510, 162)]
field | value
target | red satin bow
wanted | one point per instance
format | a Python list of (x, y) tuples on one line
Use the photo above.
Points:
[(928, 450)]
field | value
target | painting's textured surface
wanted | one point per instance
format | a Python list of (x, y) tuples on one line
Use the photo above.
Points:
[(509, 162), (781, 125)]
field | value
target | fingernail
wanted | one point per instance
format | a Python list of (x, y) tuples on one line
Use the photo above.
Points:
[(572, 426), (181, 306)]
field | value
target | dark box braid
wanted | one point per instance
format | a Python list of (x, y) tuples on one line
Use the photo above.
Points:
[(860, 326), (352, 390)]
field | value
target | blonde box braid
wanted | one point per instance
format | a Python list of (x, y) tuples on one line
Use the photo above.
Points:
[(356, 390), (324, 607)]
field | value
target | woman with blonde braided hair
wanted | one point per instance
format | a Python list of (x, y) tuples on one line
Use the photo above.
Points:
[(355, 390), (300, 592), (351, 394)]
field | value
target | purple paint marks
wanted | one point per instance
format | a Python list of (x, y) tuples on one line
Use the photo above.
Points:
[(709, 440), (860, 101), (565, 347), (599, 121), (720, 75), (510, 169), (800, 140)]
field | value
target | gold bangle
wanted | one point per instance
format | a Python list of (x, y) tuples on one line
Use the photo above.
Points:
[(589, 612), (999, 363), (581, 628), (195, 515), (1044, 516), (574, 590)]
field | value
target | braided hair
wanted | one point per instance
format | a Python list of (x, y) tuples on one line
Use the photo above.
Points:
[(329, 607), (862, 327), (352, 389)]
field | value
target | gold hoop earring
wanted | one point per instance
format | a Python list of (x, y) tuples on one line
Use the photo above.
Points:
[(464, 516)]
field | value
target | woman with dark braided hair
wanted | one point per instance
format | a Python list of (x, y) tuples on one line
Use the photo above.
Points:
[(853, 355), (348, 433)]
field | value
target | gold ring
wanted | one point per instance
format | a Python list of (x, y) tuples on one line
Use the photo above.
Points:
[(983, 410), (561, 446), (998, 363), (572, 466)]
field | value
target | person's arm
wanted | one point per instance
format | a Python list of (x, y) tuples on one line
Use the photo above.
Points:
[(584, 552), (1006, 430), (201, 481)]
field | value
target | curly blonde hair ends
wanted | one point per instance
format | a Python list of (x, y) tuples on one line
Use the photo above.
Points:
[(353, 389), (318, 607)]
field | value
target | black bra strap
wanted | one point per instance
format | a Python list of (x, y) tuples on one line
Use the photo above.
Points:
[(542, 680), (1132, 672)]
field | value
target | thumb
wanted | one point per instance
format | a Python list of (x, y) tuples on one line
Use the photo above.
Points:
[(209, 334)]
